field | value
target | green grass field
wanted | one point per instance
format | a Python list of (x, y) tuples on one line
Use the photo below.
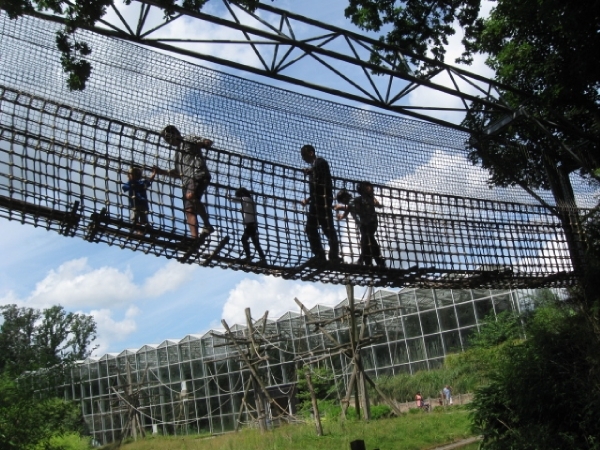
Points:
[(413, 431)]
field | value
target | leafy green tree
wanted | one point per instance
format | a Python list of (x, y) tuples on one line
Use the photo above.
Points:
[(506, 326), (27, 423), (544, 392), (323, 382), (31, 339)]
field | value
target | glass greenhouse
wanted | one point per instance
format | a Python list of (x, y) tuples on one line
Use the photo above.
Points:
[(201, 383)]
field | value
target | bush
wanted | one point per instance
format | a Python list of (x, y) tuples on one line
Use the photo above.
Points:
[(544, 392)]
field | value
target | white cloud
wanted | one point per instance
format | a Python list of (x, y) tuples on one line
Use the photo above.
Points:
[(446, 173), (75, 284), (276, 296), (103, 293), (110, 330), (168, 278)]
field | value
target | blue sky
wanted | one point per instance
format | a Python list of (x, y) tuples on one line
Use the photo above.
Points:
[(139, 299)]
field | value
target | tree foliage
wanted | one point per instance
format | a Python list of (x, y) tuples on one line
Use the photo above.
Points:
[(28, 423), (31, 339), (421, 27), (545, 391), (542, 49)]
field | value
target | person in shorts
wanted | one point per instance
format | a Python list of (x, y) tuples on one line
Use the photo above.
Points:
[(190, 166)]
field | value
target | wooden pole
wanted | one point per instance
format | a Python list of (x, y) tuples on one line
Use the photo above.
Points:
[(315, 405)]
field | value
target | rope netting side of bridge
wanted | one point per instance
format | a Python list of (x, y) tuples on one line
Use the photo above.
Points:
[(64, 157), (64, 168)]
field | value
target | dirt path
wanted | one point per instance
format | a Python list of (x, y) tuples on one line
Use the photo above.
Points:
[(459, 444)]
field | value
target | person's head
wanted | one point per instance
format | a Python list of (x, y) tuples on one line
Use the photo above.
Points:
[(242, 192), (343, 196), (171, 134), (308, 153), (135, 173), (364, 188)]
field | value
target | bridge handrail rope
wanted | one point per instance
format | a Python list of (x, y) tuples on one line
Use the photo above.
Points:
[(43, 156), (62, 167)]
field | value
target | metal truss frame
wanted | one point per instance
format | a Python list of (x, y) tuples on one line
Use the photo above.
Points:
[(281, 41)]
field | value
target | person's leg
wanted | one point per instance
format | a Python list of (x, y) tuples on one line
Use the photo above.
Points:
[(365, 246), (201, 186), (312, 232), (245, 242), (325, 220), (254, 236), (375, 248), (192, 221), (189, 205)]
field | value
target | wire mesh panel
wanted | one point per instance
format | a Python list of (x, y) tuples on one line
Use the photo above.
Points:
[(65, 156)]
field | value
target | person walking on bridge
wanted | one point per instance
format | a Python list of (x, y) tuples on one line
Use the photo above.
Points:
[(190, 166), (319, 203)]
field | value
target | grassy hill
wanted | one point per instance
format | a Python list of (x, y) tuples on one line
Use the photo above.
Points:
[(412, 431)]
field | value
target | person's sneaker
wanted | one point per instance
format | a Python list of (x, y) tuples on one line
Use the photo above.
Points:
[(208, 229), (380, 262)]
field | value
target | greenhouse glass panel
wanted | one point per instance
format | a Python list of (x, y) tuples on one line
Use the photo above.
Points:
[(480, 293), (367, 358), (466, 314), (437, 363), (483, 308), (462, 296), (382, 356), (402, 369), (444, 297), (425, 299), (412, 327), (466, 334), (399, 352), (418, 366), (408, 302), (502, 303), (447, 318), (452, 341), (434, 346), (429, 322), (196, 349), (416, 349), (174, 372), (184, 348)]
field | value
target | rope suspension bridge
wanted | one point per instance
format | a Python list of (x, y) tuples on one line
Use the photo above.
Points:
[(64, 157)]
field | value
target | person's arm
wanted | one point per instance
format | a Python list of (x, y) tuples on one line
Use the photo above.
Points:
[(173, 173), (341, 207), (200, 141), (153, 174), (377, 204), (234, 199)]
